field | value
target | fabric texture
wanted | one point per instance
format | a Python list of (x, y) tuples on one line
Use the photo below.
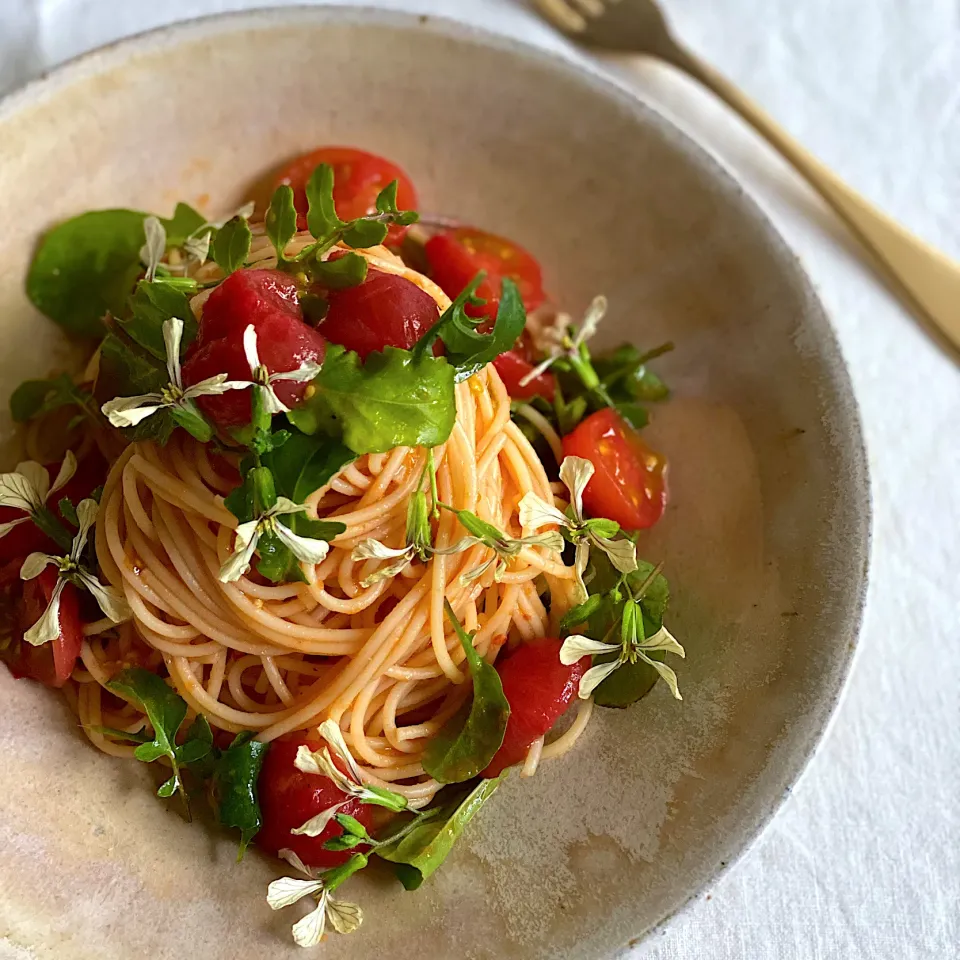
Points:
[(863, 861)]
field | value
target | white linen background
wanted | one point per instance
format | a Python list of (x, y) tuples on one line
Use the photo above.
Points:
[(863, 861)]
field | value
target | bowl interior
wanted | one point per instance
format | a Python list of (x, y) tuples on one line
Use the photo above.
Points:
[(765, 541)]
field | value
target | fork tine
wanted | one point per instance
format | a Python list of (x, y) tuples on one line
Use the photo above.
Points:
[(562, 15), (591, 8)]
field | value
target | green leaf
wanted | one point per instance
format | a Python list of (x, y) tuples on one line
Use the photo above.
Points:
[(390, 400), (86, 267), (165, 710), (68, 511), (364, 233), (198, 742), (349, 270), (125, 371), (281, 220), (152, 304), (425, 843), (468, 741), (633, 680), (306, 463), (387, 198), (231, 245), (184, 222), (466, 348), (235, 786), (322, 219), (34, 398)]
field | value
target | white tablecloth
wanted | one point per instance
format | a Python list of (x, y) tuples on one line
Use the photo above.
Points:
[(863, 862)]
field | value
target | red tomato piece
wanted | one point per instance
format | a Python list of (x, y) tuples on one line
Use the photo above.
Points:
[(513, 367), (289, 798), (52, 663), (539, 688), (456, 256), (266, 299), (358, 177), (384, 310), (629, 483), (253, 294)]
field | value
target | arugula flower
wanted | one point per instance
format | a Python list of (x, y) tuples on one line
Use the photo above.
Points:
[(504, 547), (351, 783), (28, 488), (575, 472), (263, 379), (633, 646), (562, 344), (70, 570), (129, 411), (343, 917), (248, 535)]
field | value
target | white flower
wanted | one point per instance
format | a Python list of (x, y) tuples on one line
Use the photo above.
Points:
[(28, 488), (248, 536), (69, 570), (306, 372), (562, 344), (575, 472), (343, 917), (129, 411), (350, 783), (151, 253), (630, 649)]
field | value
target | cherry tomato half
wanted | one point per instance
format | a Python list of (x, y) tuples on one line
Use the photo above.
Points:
[(358, 177), (516, 364), (629, 483), (456, 256), (289, 798), (266, 299), (539, 688), (51, 663), (384, 310)]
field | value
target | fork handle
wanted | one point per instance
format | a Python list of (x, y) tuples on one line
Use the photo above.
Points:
[(930, 277)]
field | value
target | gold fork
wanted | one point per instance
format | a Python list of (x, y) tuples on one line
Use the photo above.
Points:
[(928, 277)]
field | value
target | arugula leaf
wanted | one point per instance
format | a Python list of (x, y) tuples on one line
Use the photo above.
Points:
[(166, 711), (390, 400), (231, 245), (466, 348), (350, 270), (152, 304), (468, 741), (34, 398), (235, 776), (304, 464), (326, 226), (124, 371), (184, 222), (420, 847), (281, 219), (85, 268)]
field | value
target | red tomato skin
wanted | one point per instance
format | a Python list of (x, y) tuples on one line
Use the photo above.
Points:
[(358, 176), (26, 538), (284, 341), (246, 293), (539, 688), (289, 798), (629, 484), (52, 663), (384, 310), (512, 368), (456, 256)]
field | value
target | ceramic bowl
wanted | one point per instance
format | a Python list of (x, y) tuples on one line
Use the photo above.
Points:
[(765, 541)]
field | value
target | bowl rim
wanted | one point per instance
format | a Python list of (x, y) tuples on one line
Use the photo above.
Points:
[(590, 73)]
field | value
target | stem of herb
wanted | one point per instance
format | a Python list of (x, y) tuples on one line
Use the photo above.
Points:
[(45, 519)]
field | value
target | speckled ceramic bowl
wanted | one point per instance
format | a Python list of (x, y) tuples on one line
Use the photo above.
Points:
[(765, 541)]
